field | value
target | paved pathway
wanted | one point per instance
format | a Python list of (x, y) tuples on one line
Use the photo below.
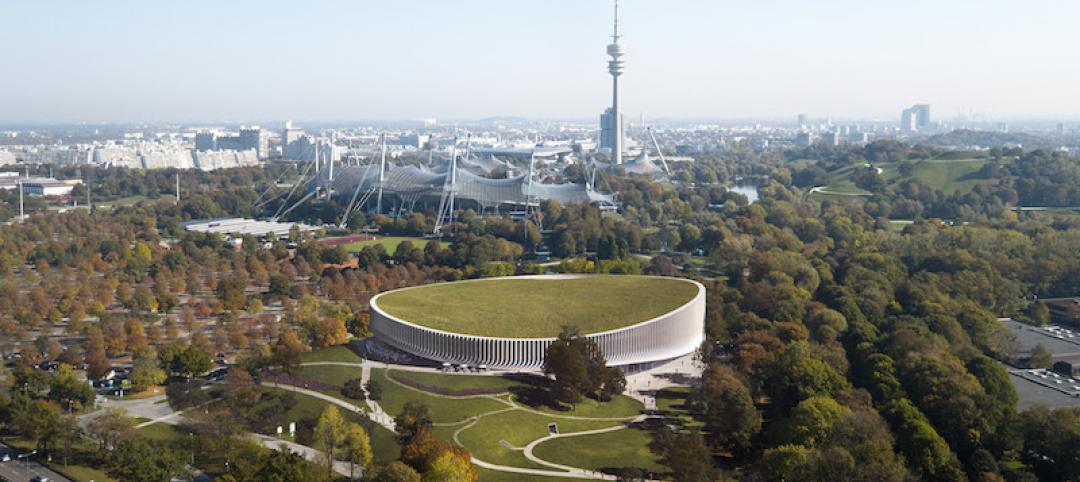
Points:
[(161, 412), (528, 451), (315, 456), (641, 386), (383, 419)]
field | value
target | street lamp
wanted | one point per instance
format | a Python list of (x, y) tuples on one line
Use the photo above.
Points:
[(26, 458), (191, 437)]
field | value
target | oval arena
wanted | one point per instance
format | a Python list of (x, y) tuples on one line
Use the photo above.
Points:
[(508, 323)]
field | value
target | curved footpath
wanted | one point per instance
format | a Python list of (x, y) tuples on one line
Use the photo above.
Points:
[(378, 416)]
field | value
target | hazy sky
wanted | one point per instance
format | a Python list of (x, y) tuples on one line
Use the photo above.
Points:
[(148, 60)]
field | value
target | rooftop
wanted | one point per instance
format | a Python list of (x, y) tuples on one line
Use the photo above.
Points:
[(538, 308), (242, 226)]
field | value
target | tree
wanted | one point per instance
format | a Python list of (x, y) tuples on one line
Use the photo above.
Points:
[(68, 390), (193, 361), (68, 434), (285, 466), (567, 360), (397, 472), (1038, 313), (414, 417), (690, 459), (357, 448), (731, 419), (41, 423), (286, 353), (917, 440), (241, 393), (168, 356), (97, 360), (782, 463), (374, 390), (146, 374), (453, 465), (1040, 357), (111, 428), (1050, 440), (354, 389), (810, 421), (185, 394), (231, 293), (330, 434), (280, 286), (612, 382), (328, 331), (143, 461)]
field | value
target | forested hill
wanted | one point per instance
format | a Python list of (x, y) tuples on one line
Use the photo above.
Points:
[(987, 139)]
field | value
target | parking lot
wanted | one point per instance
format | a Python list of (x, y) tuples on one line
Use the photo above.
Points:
[(1044, 387)]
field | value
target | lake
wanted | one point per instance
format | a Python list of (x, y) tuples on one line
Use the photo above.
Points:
[(748, 190)]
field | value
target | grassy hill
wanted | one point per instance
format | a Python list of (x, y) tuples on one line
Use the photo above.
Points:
[(947, 175)]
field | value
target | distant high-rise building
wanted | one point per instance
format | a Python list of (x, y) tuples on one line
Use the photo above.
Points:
[(915, 118), (615, 67), (250, 138), (290, 134), (804, 139), (831, 138), (802, 121), (205, 141)]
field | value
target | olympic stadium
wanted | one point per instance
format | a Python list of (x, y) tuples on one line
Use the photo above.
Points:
[(508, 323), (410, 184)]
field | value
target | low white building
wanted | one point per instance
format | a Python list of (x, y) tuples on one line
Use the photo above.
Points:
[(37, 186)]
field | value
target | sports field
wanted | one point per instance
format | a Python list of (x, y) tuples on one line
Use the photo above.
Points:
[(390, 243), (538, 308)]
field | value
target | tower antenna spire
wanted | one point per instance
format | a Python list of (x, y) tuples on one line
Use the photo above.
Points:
[(615, 36)]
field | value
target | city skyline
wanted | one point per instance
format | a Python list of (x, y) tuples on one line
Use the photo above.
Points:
[(327, 61)]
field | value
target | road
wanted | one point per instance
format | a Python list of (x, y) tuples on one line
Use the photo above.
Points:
[(17, 471)]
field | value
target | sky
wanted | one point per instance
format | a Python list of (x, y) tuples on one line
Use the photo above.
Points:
[(323, 60)]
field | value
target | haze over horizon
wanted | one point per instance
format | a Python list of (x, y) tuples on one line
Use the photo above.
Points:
[(326, 60)]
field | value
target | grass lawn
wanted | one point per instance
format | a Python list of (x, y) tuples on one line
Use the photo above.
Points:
[(82, 473), (138, 420), (332, 374), (443, 410), (494, 476), (610, 450), (672, 403), (531, 308), (162, 432), (306, 414), (390, 243), (455, 382), (384, 445), (340, 353), (518, 428), (619, 407), (949, 176)]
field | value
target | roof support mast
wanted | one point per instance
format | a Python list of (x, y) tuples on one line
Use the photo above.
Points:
[(382, 176), (446, 206), (660, 153)]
